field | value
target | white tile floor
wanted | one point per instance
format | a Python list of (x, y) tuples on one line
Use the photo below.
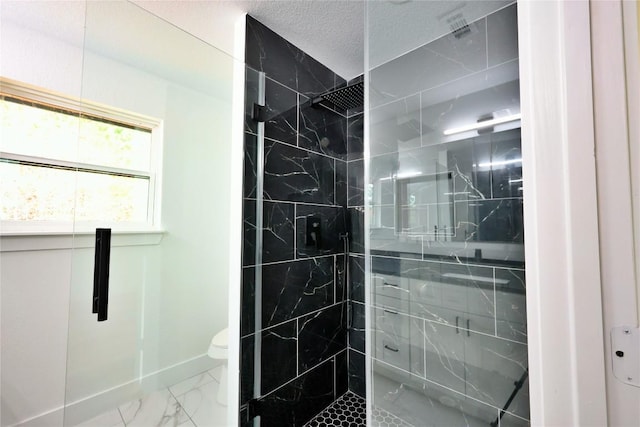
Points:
[(189, 403)]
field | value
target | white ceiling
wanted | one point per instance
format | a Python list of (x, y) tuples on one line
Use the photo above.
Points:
[(331, 31)]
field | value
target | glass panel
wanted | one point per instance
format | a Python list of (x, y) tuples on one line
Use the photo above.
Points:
[(41, 193), (34, 282), (154, 360), (33, 129), (445, 227)]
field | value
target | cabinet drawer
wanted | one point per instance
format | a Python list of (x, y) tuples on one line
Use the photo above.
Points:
[(392, 350), (394, 304), (390, 286), (391, 322)]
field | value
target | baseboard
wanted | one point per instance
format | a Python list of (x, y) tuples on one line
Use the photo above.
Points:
[(91, 406)]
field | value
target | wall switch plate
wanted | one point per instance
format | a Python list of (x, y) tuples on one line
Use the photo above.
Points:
[(625, 353)]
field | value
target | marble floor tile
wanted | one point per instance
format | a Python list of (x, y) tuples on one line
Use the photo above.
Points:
[(189, 403), (108, 419), (190, 383), (216, 373), (203, 409), (157, 409)]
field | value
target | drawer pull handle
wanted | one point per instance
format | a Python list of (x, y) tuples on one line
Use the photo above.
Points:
[(468, 327), (395, 350), (390, 284), (390, 312), (457, 320)]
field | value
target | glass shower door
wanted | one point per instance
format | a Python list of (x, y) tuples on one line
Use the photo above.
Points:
[(151, 260), (445, 267)]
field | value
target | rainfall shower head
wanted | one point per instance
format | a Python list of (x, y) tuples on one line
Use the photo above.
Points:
[(342, 99)]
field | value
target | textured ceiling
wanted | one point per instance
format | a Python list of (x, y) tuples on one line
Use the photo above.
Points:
[(331, 31)]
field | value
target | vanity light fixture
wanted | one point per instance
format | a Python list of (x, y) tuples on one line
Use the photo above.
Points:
[(499, 163), (401, 176), (483, 124)]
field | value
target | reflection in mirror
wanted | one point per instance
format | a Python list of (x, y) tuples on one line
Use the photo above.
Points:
[(446, 277)]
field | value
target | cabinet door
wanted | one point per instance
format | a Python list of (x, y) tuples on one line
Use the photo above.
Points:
[(492, 367), (444, 354), (392, 349)]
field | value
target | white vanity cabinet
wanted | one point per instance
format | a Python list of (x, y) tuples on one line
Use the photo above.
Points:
[(391, 320), (445, 331)]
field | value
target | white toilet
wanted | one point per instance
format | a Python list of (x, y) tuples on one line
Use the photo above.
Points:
[(218, 350)]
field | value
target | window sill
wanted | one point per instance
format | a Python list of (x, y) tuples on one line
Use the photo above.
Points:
[(19, 242)]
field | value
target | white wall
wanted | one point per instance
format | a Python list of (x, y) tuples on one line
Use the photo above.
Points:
[(177, 289)]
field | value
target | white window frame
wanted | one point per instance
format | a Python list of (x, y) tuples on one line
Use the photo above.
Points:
[(38, 95)]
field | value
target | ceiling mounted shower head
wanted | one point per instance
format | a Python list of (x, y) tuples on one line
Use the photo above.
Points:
[(343, 99)]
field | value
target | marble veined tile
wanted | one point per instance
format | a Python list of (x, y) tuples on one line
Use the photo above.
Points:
[(108, 419), (157, 409), (201, 406), (190, 383), (216, 373)]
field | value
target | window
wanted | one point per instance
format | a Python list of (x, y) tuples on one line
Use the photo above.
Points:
[(63, 161)]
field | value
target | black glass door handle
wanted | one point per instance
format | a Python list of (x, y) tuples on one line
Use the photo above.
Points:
[(101, 273)]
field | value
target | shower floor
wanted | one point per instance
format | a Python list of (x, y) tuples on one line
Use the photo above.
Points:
[(190, 403), (351, 410)]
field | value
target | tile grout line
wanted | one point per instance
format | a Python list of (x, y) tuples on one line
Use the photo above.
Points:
[(182, 408), (294, 318), (288, 144), (300, 376), (295, 232), (297, 347), (312, 203), (121, 417), (440, 85), (495, 304), (306, 258)]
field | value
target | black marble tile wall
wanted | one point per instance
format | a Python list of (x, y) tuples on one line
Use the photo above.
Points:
[(298, 401), (294, 290), (355, 137), (357, 327), (297, 175), (322, 132), (342, 373), (266, 51), (321, 335), (357, 383), (355, 190), (355, 203)]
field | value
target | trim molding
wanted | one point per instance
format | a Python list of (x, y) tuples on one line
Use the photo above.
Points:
[(564, 300)]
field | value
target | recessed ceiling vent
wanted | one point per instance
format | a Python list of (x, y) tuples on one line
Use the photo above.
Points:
[(458, 24)]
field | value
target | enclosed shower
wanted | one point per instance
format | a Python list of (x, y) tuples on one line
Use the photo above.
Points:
[(391, 270), (360, 237)]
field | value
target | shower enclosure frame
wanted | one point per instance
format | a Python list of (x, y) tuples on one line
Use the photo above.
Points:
[(564, 301)]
